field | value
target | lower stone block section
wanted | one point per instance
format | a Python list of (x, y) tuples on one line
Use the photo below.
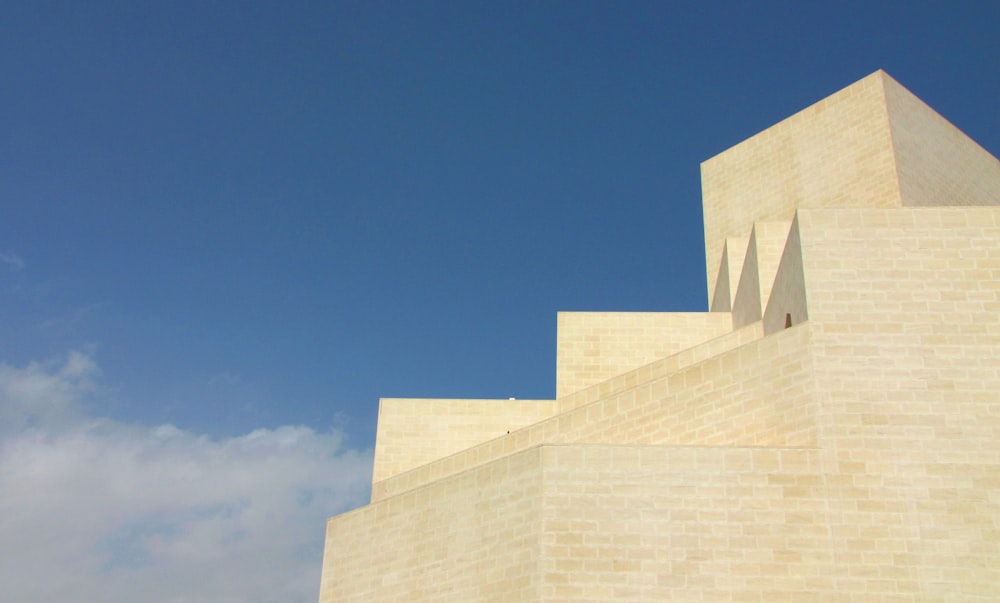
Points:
[(626, 523), (593, 523), (634, 523), (470, 537)]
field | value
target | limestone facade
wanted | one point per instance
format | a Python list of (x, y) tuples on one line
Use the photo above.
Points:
[(829, 431)]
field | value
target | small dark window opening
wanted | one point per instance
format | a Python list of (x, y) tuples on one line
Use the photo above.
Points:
[(788, 320)]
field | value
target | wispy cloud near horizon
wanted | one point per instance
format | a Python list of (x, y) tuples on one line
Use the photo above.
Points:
[(12, 260), (131, 512)]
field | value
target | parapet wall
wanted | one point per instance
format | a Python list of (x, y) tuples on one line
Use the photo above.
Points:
[(592, 347), (758, 394), (415, 431)]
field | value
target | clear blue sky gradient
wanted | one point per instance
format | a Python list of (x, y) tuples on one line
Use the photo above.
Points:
[(260, 214)]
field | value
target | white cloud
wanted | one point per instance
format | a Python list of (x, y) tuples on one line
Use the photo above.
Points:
[(98, 510), (71, 317), (224, 379), (12, 260), (42, 395)]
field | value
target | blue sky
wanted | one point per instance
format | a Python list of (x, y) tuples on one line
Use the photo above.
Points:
[(228, 219)]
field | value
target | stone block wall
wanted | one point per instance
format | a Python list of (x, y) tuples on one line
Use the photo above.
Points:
[(829, 432), (592, 347), (835, 153), (471, 537), (909, 359), (415, 431)]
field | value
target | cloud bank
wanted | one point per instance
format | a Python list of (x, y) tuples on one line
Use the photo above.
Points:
[(93, 509)]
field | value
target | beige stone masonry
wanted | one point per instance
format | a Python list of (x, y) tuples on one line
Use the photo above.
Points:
[(829, 432), (873, 144), (595, 346), (506, 444), (471, 537), (657, 523), (413, 431), (786, 304), (758, 394), (662, 367), (953, 171), (764, 249), (836, 153), (516, 440), (905, 307), (730, 269), (746, 302), (593, 523), (770, 238)]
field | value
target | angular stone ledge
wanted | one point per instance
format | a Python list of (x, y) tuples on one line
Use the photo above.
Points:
[(704, 403)]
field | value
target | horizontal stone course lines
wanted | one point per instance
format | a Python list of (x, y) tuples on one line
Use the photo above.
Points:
[(835, 153), (415, 431), (843, 446), (731, 398), (592, 347), (554, 520), (659, 523), (469, 537), (661, 368), (646, 374)]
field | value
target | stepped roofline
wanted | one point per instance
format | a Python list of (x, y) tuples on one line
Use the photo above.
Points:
[(873, 144)]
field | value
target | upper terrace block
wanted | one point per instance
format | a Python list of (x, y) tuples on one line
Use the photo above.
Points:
[(873, 144)]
